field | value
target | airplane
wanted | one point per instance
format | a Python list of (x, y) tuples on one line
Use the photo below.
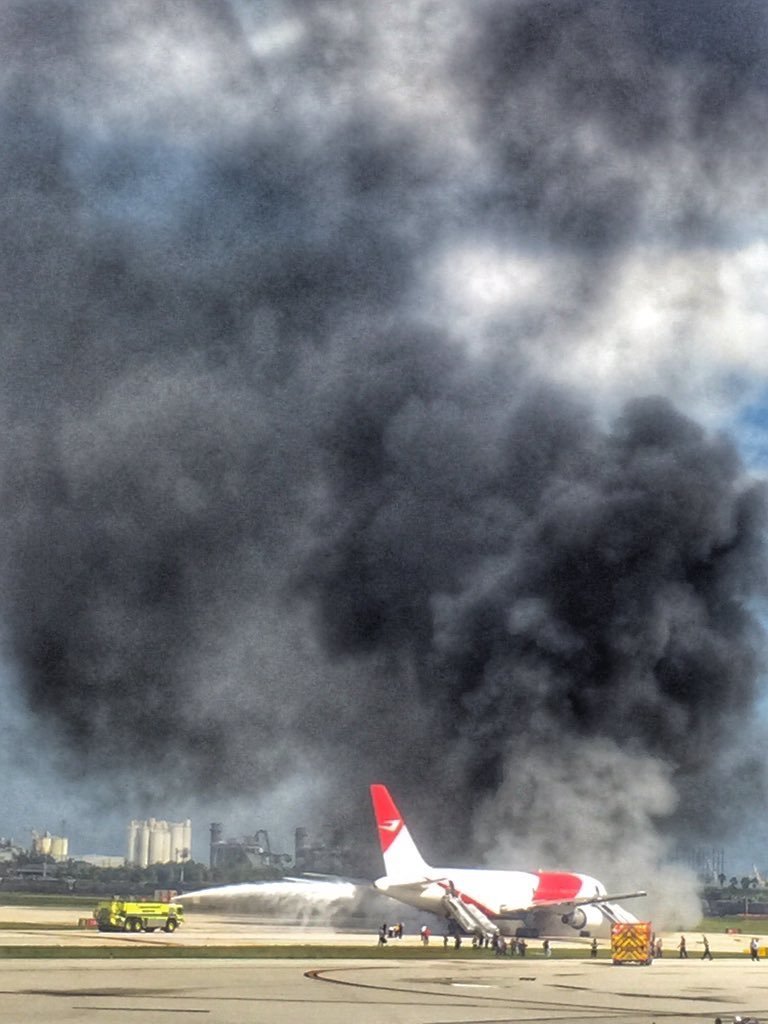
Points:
[(491, 902)]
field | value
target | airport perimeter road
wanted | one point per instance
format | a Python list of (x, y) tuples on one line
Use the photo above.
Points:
[(283, 992)]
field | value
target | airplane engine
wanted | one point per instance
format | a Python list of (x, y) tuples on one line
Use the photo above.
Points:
[(581, 918)]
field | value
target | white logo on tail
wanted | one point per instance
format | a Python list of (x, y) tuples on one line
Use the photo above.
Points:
[(390, 826)]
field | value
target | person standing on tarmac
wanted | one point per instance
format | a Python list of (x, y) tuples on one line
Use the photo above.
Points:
[(593, 949), (754, 952), (683, 948), (707, 954)]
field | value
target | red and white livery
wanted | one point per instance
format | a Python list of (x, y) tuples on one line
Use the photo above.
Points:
[(489, 902)]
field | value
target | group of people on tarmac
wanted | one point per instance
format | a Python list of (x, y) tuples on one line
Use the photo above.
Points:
[(394, 931), (518, 946), (502, 946), (498, 943), (682, 948)]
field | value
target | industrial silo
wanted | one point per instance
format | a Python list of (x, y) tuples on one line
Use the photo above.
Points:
[(177, 841), (142, 860), (59, 847)]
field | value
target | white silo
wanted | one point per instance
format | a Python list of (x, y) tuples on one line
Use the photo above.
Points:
[(154, 840), (177, 841), (164, 853), (143, 839), (59, 847), (132, 852), (42, 844)]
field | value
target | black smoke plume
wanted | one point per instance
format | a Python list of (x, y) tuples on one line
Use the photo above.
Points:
[(268, 508)]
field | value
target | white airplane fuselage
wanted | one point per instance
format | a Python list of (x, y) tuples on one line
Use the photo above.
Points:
[(488, 901), (507, 898)]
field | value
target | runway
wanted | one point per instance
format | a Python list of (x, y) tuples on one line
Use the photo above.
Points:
[(406, 992), (445, 990)]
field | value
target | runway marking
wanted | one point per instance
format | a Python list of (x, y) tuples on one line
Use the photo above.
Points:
[(587, 1012), (696, 995), (217, 997), (608, 1015), (320, 974), (140, 1009), (104, 993)]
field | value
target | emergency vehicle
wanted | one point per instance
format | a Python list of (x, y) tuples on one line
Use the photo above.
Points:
[(135, 916)]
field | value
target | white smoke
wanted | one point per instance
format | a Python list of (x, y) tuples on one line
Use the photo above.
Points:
[(593, 808)]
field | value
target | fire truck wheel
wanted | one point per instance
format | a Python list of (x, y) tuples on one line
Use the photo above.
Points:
[(170, 925)]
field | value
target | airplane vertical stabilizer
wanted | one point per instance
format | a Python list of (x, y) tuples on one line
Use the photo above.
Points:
[(401, 857)]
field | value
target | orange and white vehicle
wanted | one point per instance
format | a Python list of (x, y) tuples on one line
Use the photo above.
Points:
[(490, 902)]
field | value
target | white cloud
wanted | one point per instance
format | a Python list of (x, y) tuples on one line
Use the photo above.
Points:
[(691, 324)]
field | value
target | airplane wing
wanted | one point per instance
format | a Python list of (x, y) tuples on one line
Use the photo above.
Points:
[(578, 901)]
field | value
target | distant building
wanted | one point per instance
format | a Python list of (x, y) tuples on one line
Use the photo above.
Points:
[(47, 845), (102, 860), (325, 853), (158, 842), (254, 851), (9, 850)]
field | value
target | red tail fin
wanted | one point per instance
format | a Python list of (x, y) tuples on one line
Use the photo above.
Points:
[(401, 858), (388, 819)]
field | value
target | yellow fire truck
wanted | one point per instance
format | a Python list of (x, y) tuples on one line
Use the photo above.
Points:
[(134, 916)]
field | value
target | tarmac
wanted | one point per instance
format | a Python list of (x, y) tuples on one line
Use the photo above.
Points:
[(440, 991)]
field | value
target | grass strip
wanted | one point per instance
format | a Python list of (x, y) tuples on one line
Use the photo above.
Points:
[(263, 952), (25, 926), (745, 925), (25, 899), (269, 952)]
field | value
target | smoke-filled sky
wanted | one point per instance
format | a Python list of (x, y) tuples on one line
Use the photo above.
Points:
[(384, 398)]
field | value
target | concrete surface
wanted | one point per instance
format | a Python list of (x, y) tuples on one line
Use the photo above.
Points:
[(278, 992), (489, 991), (54, 926)]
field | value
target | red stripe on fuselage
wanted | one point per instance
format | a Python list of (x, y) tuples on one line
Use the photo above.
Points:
[(556, 885)]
